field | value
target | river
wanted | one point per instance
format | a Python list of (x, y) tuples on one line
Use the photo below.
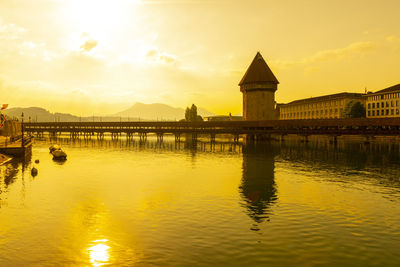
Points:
[(168, 204)]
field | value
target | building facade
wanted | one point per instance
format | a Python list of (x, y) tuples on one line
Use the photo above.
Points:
[(383, 103), (322, 107), (258, 86)]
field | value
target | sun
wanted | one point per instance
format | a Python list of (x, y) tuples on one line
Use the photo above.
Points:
[(98, 18)]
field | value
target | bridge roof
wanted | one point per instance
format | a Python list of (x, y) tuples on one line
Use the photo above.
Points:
[(258, 72)]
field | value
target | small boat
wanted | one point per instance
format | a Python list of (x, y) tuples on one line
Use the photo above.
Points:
[(59, 154), (54, 147)]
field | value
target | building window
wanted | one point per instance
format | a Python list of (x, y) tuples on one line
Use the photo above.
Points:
[(369, 113), (377, 113), (369, 105), (377, 105), (397, 111), (387, 104), (383, 104), (387, 112), (391, 103), (373, 113), (373, 105), (392, 112)]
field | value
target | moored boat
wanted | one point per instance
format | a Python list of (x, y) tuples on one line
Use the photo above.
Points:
[(59, 154)]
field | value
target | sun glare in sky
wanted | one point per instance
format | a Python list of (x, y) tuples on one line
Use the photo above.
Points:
[(99, 57), (100, 19)]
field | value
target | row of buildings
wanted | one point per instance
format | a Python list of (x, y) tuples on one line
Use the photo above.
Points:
[(259, 85), (381, 104)]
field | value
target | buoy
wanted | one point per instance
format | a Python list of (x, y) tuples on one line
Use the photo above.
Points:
[(37, 161), (34, 172)]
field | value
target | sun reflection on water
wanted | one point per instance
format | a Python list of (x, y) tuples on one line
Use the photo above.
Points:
[(98, 252)]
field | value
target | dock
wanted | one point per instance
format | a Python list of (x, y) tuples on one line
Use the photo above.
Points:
[(15, 147)]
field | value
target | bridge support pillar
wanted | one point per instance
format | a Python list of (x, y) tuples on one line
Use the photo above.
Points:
[(100, 136), (333, 140), (129, 137), (368, 139), (74, 135), (212, 138), (114, 136), (160, 137), (177, 137), (236, 138), (87, 136), (142, 137), (250, 137), (194, 137), (305, 139)]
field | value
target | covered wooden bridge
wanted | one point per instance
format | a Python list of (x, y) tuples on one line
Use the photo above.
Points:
[(252, 129)]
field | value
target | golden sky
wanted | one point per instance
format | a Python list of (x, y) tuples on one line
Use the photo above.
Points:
[(100, 56)]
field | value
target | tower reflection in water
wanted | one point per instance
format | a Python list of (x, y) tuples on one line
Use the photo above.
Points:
[(258, 188)]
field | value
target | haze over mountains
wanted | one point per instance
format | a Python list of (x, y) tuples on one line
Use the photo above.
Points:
[(158, 111), (138, 111)]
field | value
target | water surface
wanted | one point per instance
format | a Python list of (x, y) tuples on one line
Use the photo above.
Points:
[(184, 204)]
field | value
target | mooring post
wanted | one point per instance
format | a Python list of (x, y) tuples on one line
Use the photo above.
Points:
[(22, 129)]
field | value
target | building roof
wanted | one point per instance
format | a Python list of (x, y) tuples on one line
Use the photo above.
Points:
[(258, 72), (326, 97), (390, 89)]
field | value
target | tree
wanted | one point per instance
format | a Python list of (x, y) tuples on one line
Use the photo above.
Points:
[(355, 110), (193, 113), (187, 114)]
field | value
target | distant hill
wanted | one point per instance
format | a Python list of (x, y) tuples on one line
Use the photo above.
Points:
[(39, 114), (138, 111), (158, 111)]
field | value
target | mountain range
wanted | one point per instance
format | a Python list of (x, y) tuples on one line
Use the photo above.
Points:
[(138, 111)]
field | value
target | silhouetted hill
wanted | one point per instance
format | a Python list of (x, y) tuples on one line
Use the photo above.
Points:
[(138, 111), (158, 111), (33, 112)]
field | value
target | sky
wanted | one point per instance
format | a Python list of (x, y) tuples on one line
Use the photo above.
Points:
[(90, 57)]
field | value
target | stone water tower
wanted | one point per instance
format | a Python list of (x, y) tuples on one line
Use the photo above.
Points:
[(258, 86)]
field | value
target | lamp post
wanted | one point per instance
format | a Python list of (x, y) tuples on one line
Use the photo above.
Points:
[(22, 129)]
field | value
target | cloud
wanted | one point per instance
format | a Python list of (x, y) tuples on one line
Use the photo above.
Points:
[(89, 45), (10, 31), (393, 38), (159, 57), (354, 49)]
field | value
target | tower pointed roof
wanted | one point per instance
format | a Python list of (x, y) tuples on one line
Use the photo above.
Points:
[(258, 72)]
